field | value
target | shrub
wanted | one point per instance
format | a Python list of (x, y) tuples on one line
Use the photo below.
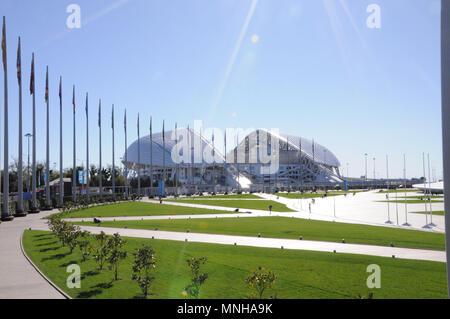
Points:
[(101, 249), (197, 279), (115, 244), (260, 280), (144, 261)]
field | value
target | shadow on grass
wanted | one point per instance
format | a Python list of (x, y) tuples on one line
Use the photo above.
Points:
[(89, 274), (47, 244), (95, 290), (69, 263), (49, 249), (57, 256)]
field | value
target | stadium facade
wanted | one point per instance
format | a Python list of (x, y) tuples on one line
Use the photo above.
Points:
[(300, 162)]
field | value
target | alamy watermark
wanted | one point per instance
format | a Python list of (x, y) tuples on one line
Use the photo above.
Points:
[(257, 147), (374, 279), (74, 279)]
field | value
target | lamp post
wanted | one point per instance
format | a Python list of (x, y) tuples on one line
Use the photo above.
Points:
[(365, 175)]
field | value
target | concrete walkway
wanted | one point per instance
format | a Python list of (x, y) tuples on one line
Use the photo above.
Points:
[(381, 251), (18, 279)]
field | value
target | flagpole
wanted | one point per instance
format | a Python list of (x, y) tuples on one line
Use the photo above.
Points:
[(100, 181), (5, 212), (34, 208), (164, 162), (126, 154), (87, 146), (178, 166), (225, 161), (19, 211), (61, 181), (74, 169), (151, 157), (47, 151), (113, 172), (139, 160), (445, 107)]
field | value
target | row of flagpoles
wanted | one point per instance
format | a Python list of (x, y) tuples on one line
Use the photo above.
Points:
[(5, 215)]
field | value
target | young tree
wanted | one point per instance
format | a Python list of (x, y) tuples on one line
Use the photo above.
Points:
[(71, 233), (193, 289), (84, 244), (260, 280), (144, 261), (101, 249), (115, 244)]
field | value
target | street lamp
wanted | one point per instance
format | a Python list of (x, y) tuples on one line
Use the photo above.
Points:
[(28, 135), (374, 175), (365, 176)]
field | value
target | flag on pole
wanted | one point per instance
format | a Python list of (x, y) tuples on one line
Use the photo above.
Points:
[(46, 86), (60, 88), (73, 99), (87, 107), (138, 124), (125, 121), (99, 113), (19, 64), (32, 77), (163, 133), (4, 44), (112, 118)]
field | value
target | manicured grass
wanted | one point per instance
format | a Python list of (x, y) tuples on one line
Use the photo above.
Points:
[(314, 195), (286, 227), (439, 212), (139, 209), (242, 204), (300, 274)]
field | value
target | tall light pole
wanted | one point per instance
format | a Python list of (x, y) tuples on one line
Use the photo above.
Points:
[(374, 174), (387, 194), (365, 175), (425, 191), (404, 186)]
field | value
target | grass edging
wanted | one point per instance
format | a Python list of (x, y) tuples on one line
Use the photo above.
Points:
[(39, 271)]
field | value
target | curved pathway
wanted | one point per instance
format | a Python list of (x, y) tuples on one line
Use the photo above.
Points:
[(18, 279)]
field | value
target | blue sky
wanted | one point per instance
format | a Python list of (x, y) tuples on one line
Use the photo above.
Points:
[(315, 71)]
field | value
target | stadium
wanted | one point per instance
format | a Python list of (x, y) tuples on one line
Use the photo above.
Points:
[(302, 163)]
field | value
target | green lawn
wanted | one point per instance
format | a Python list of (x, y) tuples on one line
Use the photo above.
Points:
[(139, 209), (300, 274), (286, 227), (439, 212), (242, 204)]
